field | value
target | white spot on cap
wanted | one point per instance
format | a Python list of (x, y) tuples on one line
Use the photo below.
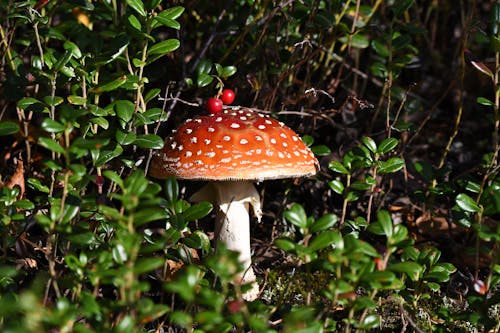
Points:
[(225, 151), (285, 144), (199, 152), (243, 118), (283, 135), (235, 125), (210, 154), (207, 141), (273, 140), (258, 138), (189, 131), (295, 138), (226, 160), (218, 119), (258, 151), (173, 145), (197, 120), (267, 121), (243, 141), (281, 155), (180, 147), (296, 153), (211, 129), (226, 138), (261, 127), (188, 153), (219, 146), (198, 162), (193, 139)]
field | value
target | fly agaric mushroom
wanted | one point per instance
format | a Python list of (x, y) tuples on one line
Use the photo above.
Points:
[(233, 149)]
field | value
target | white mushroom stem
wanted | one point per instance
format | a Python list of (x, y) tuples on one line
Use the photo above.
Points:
[(232, 226)]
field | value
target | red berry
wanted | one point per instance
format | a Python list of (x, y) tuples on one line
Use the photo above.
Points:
[(214, 105), (227, 96)]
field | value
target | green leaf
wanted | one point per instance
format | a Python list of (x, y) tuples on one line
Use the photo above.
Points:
[(285, 244), (380, 48), (197, 211), (125, 138), (338, 167), (466, 203), (51, 145), (412, 269), (167, 22), (387, 145), (53, 100), (337, 186), (52, 126), (204, 67), (321, 150), (112, 85), (204, 80), (324, 222), (134, 22), (324, 240), (172, 13), (138, 6), (227, 71), (149, 141), (296, 215), (75, 50), (114, 177), (27, 101), (371, 321), (370, 144), (124, 110), (37, 184), (145, 265), (8, 128), (165, 46), (391, 165), (76, 100), (484, 101), (385, 221)]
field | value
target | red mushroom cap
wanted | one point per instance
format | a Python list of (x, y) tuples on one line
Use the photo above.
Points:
[(236, 144)]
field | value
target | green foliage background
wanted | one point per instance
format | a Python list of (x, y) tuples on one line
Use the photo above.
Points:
[(398, 99)]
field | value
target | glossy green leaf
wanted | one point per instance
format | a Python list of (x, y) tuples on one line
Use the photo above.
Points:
[(338, 167), (51, 144), (387, 145), (385, 221), (324, 239), (134, 22), (53, 100), (138, 6), (165, 46), (149, 141), (412, 269), (370, 144), (391, 165), (8, 128), (467, 203), (110, 86), (52, 126), (125, 138), (204, 80), (325, 222), (197, 211), (337, 186), (25, 102), (296, 215), (321, 150)]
